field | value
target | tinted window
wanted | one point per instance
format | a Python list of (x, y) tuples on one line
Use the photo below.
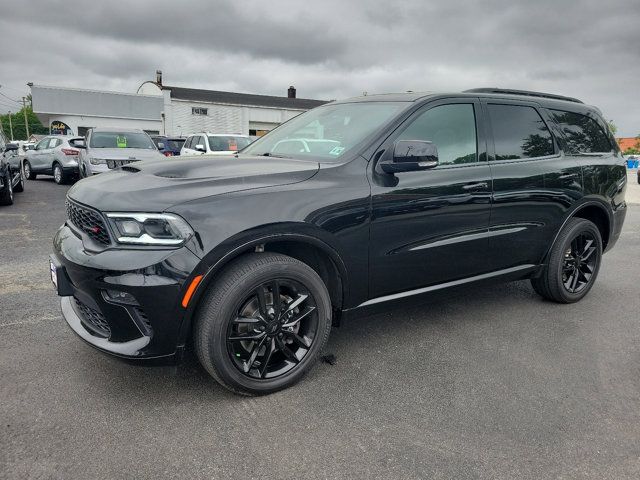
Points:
[(174, 145), (519, 132), (452, 128), (583, 134)]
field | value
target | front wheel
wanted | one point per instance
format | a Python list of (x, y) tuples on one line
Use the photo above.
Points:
[(6, 195), (28, 172), (20, 185), (573, 264), (263, 323)]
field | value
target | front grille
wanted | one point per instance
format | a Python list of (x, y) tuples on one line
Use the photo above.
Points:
[(93, 319), (88, 221)]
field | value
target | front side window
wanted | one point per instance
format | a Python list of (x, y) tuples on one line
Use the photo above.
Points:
[(451, 128), (583, 134), (121, 140), (328, 132), (42, 144), (519, 132)]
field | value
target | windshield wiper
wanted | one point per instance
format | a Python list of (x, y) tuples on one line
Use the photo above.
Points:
[(269, 154)]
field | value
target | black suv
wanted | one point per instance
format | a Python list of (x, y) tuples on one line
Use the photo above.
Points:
[(11, 179), (352, 204)]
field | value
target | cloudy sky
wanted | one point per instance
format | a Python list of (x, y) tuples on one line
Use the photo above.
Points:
[(330, 48)]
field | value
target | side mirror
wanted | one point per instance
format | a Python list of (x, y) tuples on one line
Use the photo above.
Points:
[(200, 148), (160, 146), (9, 147), (78, 143), (411, 156)]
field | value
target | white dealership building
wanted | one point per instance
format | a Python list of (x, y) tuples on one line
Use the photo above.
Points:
[(165, 110)]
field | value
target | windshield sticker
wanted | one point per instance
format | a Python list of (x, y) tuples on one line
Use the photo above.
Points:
[(121, 141), (336, 151)]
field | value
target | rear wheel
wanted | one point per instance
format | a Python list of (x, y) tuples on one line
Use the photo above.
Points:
[(573, 264), (28, 173), (263, 323), (6, 195), (58, 174)]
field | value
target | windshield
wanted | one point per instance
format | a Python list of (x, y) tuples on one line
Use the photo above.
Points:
[(121, 140), (325, 133), (227, 143)]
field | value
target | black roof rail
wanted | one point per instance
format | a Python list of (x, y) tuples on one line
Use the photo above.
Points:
[(526, 93)]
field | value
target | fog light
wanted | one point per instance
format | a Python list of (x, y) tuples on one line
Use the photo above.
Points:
[(119, 297)]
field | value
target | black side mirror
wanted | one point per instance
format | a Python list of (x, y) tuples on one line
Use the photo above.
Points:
[(79, 143), (10, 147), (411, 156)]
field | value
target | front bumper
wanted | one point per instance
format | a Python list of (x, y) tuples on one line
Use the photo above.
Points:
[(151, 327)]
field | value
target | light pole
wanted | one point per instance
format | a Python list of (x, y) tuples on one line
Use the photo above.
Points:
[(10, 126)]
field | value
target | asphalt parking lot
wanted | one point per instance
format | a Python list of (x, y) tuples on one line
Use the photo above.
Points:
[(493, 383)]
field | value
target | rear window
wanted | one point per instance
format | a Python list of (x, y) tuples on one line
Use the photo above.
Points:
[(519, 132), (583, 134), (227, 143), (174, 144), (121, 140)]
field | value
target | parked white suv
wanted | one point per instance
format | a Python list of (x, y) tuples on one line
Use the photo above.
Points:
[(214, 144)]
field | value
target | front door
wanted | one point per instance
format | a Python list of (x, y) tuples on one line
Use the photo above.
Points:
[(430, 227)]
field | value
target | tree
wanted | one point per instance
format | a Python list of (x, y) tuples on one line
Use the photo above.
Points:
[(17, 121), (635, 150), (612, 127)]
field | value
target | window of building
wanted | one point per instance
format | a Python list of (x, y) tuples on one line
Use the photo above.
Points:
[(451, 128), (198, 111), (519, 132), (583, 134)]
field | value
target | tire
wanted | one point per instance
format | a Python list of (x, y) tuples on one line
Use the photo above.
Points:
[(574, 263), (6, 195), (28, 172), (20, 186), (59, 175), (217, 336)]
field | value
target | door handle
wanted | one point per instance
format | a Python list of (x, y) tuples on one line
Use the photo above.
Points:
[(475, 186)]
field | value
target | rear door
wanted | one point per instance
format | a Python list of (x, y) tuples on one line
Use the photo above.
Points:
[(533, 183), (429, 227)]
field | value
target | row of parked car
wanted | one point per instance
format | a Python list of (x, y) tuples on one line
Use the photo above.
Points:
[(67, 157)]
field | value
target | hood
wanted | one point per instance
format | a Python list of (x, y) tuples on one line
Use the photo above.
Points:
[(156, 186), (125, 153)]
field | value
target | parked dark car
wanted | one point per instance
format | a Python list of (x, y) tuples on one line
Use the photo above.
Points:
[(11, 179), (254, 259), (168, 146)]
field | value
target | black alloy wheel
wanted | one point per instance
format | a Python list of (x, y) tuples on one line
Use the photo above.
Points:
[(273, 330), (579, 262), (262, 323), (573, 263)]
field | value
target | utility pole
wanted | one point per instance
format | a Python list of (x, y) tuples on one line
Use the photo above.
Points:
[(24, 110), (10, 126)]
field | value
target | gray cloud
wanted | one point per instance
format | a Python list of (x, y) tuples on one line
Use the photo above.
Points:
[(331, 49)]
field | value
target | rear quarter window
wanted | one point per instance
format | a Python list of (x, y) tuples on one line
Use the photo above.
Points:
[(582, 134)]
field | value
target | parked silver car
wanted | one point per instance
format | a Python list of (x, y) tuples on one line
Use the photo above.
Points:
[(105, 149), (53, 155)]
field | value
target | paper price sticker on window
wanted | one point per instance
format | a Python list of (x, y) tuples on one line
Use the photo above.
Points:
[(121, 141), (233, 146)]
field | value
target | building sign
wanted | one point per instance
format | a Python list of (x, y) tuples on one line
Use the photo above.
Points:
[(60, 128)]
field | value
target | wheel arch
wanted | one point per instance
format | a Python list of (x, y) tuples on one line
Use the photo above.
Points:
[(313, 251), (594, 211)]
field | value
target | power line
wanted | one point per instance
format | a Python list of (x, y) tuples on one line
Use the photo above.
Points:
[(9, 98)]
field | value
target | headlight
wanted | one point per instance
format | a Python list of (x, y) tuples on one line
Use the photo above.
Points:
[(150, 228), (97, 161)]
